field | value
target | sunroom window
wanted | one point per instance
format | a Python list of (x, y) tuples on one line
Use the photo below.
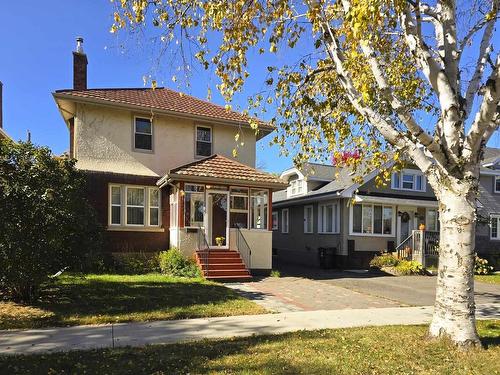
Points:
[(258, 209), (194, 205), (238, 210)]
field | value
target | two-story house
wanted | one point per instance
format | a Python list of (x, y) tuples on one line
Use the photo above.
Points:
[(161, 172), (323, 208)]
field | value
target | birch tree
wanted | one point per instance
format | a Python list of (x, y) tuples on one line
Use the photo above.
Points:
[(386, 79)]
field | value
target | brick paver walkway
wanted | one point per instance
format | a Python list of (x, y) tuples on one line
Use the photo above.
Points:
[(287, 294)]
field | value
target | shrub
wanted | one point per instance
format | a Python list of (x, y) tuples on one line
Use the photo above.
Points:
[(135, 263), (409, 267), (384, 260), (481, 266), (275, 273), (173, 263), (46, 224)]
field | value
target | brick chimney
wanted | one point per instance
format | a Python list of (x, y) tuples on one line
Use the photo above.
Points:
[(1, 104), (79, 66)]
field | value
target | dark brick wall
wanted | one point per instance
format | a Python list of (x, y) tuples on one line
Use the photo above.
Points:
[(127, 241), (79, 71)]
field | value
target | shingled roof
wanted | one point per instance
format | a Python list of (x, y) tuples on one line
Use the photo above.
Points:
[(218, 168), (162, 99)]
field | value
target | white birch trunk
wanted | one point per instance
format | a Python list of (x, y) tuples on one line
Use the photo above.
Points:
[(454, 310)]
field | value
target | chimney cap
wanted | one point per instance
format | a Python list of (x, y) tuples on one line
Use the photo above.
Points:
[(79, 45)]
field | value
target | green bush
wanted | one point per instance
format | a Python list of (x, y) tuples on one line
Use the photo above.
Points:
[(173, 263), (135, 263), (481, 266), (409, 267), (384, 260), (275, 273), (46, 224)]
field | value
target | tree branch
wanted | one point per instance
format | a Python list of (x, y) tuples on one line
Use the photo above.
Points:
[(486, 120)]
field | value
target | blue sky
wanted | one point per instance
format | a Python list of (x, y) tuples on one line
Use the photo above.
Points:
[(35, 59)]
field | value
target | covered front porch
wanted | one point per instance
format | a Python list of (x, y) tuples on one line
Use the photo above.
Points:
[(220, 212)]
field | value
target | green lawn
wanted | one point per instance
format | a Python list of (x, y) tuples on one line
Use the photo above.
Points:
[(95, 299), (375, 350), (490, 279)]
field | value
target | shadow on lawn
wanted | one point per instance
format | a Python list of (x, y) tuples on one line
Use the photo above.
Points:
[(78, 300)]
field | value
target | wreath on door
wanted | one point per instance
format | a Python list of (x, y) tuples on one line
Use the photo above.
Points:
[(405, 217)]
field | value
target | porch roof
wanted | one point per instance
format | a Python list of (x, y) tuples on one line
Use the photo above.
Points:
[(222, 170), (399, 201)]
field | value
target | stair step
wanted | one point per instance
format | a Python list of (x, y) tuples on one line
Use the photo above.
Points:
[(213, 273), (225, 255), (223, 266), (229, 278), (220, 260)]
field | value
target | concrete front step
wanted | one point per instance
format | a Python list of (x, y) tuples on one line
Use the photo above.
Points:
[(216, 273)]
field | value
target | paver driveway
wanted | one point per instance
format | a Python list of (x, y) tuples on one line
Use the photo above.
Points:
[(310, 289)]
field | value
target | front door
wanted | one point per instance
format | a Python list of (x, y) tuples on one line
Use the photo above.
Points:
[(218, 220), (405, 225)]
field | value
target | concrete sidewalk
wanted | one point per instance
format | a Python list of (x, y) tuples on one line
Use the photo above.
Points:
[(162, 332)]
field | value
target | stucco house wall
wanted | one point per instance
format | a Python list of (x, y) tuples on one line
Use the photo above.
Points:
[(104, 141)]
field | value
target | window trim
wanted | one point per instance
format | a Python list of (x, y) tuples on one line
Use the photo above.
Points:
[(495, 216), (123, 215), (135, 117), (273, 214), (196, 140), (335, 218), (110, 205), (414, 173), (495, 184), (312, 219), (283, 226), (393, 221)]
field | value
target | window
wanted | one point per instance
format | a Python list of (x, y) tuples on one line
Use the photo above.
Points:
[(116, 205), (494, 219), (238, 209), (328, 218), (308, 219), (284, 220), (258, 211), (143, 134), (497, 184), (431, 220), (275, 220), (194, 205), (135, 206), (408, 179), (372, 219), (154, 207), (203, 141), (296, 187)]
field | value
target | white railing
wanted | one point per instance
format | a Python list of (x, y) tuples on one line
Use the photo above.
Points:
[(420, 245)]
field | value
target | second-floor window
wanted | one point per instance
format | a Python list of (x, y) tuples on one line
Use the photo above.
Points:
[(203, 141), (408, 180), (143, 134)]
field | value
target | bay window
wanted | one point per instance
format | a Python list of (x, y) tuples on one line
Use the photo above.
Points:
[(134, 206), (372, 219), (328, 218), (194, 205)]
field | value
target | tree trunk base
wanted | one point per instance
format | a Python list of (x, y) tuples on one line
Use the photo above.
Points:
[(462, 335)]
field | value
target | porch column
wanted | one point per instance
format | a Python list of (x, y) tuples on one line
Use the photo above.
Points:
[(180, 204), (270, 210)]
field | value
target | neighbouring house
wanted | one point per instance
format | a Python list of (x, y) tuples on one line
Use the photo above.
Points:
[(161, 173), (323, 209)]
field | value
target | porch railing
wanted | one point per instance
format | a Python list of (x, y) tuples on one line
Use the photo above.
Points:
[(203, 249), (243, 248), (420, 245)]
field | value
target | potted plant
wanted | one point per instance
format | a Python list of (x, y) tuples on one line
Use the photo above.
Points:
[(219, 241)]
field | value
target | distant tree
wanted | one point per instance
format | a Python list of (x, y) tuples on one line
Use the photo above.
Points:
[(45, 222), (420, 79)]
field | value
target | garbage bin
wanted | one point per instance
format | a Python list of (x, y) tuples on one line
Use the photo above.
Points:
[(326, 257)]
